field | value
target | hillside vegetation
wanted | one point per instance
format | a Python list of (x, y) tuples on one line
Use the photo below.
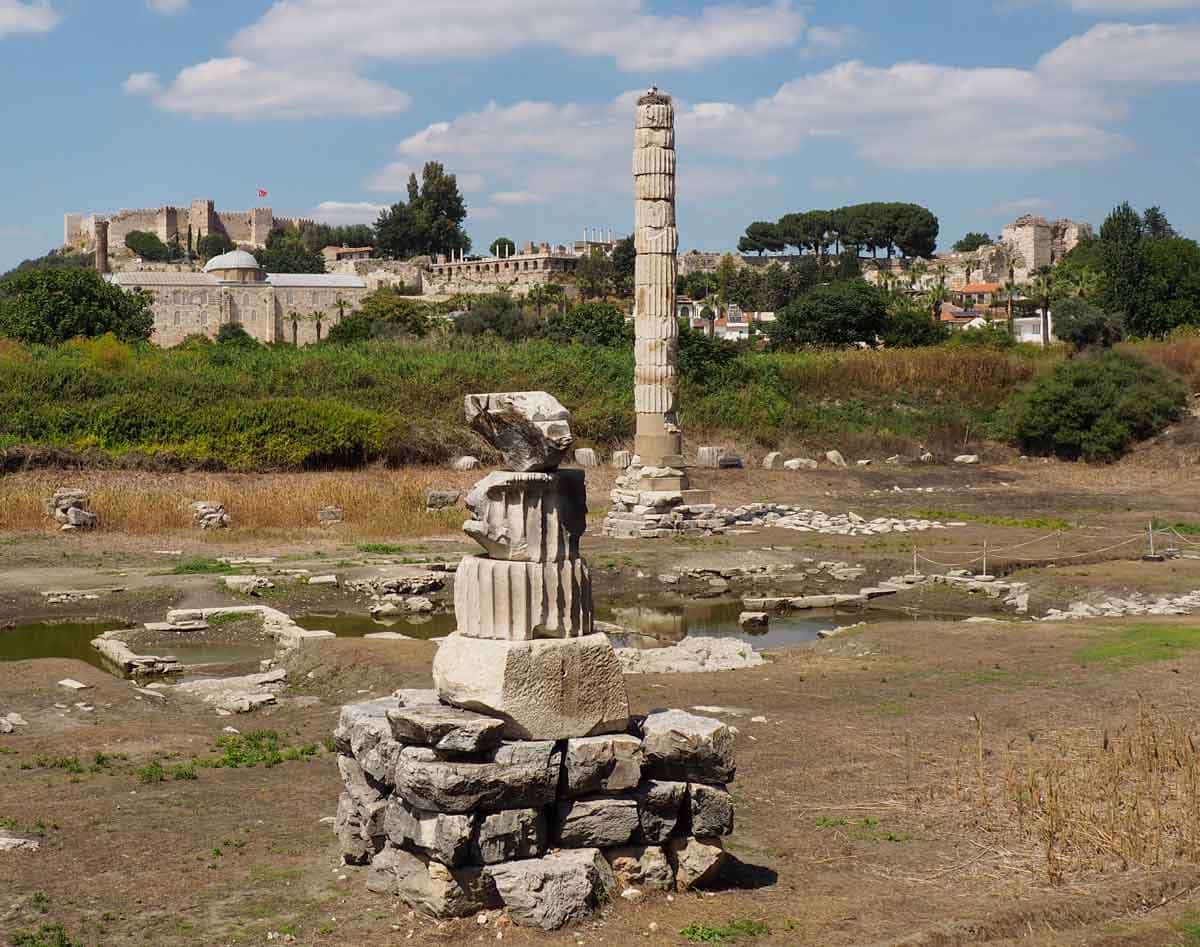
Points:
[(213, 406)]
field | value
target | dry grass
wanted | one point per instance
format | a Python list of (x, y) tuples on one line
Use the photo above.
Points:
[(1087, 804), (1180, 355), (377, 502)]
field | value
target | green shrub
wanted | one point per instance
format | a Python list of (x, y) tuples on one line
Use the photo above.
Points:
[(594, 323), (1095, 407), (50, 306), (844, 313), (910, 327), (48, 935), (214, 244), (147, 246), (151, 773), (1084, 326), (231, 333)]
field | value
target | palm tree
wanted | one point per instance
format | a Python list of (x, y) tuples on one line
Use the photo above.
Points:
[(1012, 289), (916, 275), (1081, 283), (1041, 288), (935, 297)]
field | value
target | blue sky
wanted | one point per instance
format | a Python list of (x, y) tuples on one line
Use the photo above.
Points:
[(981, 109)]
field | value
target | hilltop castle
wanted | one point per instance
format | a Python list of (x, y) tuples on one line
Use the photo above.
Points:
[(248, 228)]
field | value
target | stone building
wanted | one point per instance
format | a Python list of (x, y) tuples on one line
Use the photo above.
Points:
[(1040, 243), (247, 228), (299, 308), (532, 266)]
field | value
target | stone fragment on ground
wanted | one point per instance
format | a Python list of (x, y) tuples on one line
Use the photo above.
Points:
[(441, 499), (695, 861), (248, 584), (693, 655), (236, 694), (554, 890), (685, 747), (464, 463), (210, 514)]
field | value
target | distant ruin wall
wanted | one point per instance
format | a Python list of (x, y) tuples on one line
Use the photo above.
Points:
[(245, 227)]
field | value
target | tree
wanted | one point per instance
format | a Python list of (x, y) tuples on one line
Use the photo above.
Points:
[(1156, 225), (837, 314), (496, 314), (594, 274), (214, 244), (147, 246), (544, 294), (1041, 289), (624, 261), (1084, 326), (597, 323), (430, 223), (50, 306), (231, 333), (56, 260), (1121, 241), (502, 246), (286, 253), (392, 313), (1169, 292), (910, 326), (762, 236), (972, 242)]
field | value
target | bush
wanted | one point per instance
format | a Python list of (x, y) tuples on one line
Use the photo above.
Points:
[(214, 244), (591, 324), (496, 314), (231, 333), (838, 314), (1095, 407), (992, 336), (53, 305), (1084, 326), (913, 327), (147, 246)]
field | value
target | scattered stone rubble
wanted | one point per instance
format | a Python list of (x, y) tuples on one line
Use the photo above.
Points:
[(330, 515), (804, 520), (522, 782), (236, 695), (1135, 605), (10, 721), (400, 594), (70, 596), (208, 514), (114, 649), (69, 507), (693, 655)]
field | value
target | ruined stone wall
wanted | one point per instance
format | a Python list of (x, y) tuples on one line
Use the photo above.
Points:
[(249, 227), (379, 273), (516, 274)]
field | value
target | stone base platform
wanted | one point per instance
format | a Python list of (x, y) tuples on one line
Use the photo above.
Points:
[(653, 514), (452, 819)]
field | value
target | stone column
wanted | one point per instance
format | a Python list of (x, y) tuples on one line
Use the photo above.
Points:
[(101, 246), (656, 384)]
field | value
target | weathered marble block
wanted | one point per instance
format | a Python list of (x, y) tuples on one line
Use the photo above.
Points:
[(543, 690), (528, 517), (521, 601), (530, 428)]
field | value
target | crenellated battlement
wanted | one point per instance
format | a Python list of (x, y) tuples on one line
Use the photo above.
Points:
[(168, 221)]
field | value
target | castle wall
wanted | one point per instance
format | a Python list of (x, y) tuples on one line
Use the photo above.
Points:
[(248, 227), (517, 274), (379, 273)]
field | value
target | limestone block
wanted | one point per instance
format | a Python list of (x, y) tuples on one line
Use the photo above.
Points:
[(520, 601), (653, 214), (653, 399), (426, 781), (657, 351), (441, 499), (363, 790), (513, 833), (645, 866), (599, 822), (967, 459), (529, 517), (708, 456), (658, 114), (81, 519), (664, 375), (655, 300), (654, 138), (380, 762), (551, 891), (544, 690), (730, 461), (660, 805), (711, 810), (327, 515), (620, 459), (530, 428), (800, 463), (354, 846), (771, 461), (655, 187), (432, 888), (442, 835), (360, 726), (684, 746), (652, 159), (696, 861), (835, 457), (656, 240), (586, 457), (602, 764), (466, 462), (449, 729)]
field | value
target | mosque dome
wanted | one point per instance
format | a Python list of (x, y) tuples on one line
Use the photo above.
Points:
[(234, 260)]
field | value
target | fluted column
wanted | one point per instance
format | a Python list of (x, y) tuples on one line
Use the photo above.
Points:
[(656, 383)]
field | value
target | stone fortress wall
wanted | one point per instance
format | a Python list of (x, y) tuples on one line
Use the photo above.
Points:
[(244, 227)]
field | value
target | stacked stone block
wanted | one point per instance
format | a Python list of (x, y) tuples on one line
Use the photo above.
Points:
[(69, 507), (521, 781), (454, 819), (639, 511)]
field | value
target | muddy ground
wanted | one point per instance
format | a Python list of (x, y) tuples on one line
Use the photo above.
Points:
[(875, 802)]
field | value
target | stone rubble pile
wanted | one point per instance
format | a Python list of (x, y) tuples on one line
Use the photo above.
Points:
[(803, 520), (638, 512), (693, 655), (1135, 605), (330, 515), (400, 594), (208, 514), (10, 721), (522, 782), (236, 695), (114, 649), (1014, 594), (69, 507)]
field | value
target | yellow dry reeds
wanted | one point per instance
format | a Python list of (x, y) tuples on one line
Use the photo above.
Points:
[(376, 502)]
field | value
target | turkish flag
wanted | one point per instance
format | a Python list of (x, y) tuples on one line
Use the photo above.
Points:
[(261, 192)]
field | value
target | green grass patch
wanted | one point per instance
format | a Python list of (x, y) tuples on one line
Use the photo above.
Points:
[(1141, 644), (1184, 529), (736, 930), (1012, 522), (48, 935), (152, 772), (1189, 928), (202, 567), (69, 764), (889, 708), (256, 748), (383, 549)]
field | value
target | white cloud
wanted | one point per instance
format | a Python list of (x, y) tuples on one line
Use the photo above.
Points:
[(517, 198), (342, 213), (393, 179), (238, 88), (142, 83), (168, 7), (1122, 52), (410, 30), (1022, 205), (1134, 7), (27, 16)]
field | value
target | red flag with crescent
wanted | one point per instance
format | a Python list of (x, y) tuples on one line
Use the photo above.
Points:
[(261, 192)]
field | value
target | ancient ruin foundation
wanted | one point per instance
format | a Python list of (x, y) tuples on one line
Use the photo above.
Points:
[(521, 781), (652, 498)]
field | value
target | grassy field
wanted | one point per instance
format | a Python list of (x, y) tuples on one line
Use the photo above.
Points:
[(225, 407)]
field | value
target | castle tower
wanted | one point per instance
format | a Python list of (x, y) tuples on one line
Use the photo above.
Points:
[(656, 384), (101, 246)]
